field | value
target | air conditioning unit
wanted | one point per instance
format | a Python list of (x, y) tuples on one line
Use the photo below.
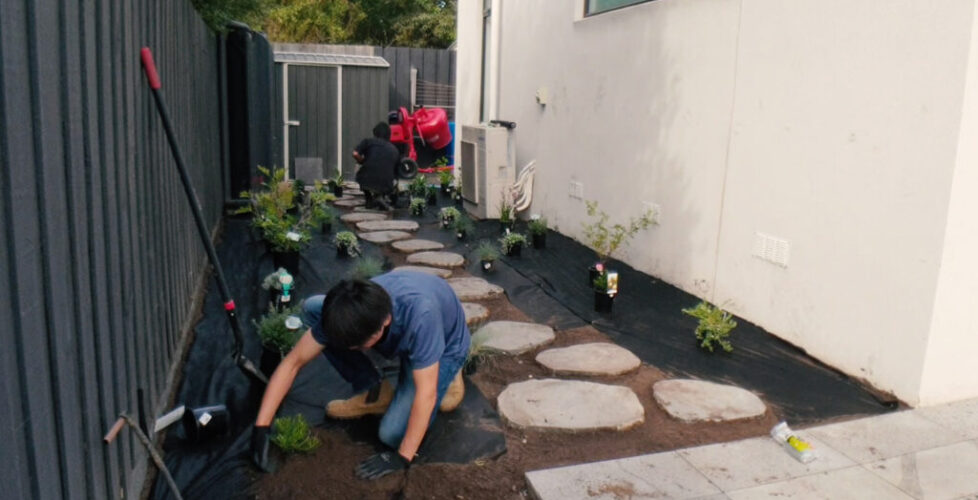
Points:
[(488, 166)]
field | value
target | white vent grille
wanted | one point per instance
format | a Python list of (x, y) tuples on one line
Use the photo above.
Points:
[(771, 249)]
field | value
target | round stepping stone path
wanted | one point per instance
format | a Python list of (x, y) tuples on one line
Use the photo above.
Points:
[(388, 225), (355, 217), (436, 259), (512, 337), (570, 405), (410, 246), (351, 185), (352, 202), (365, 210), (437, 271), (353, 192), (474, 313), (474, 288), (384, 237), (589, 359), (696, 401)]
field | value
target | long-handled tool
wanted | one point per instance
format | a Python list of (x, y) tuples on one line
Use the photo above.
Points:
[(154, 84)]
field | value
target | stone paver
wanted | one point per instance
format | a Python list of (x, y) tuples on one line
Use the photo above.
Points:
[(474, 288), (355, 217), (410, 246), (947, 472), (663, 475), (437, 271), (365, 210), (475, 313), (569, 405), (961, 417), (599, 358), (436, 259), (388, 225), (351, 185), (512, 337), (853, 483), (352, 192), (697, 400), (383, 237), (885, 436), (355, 202)]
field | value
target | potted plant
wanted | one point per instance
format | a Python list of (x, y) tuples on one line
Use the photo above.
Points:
[(714, 326), (285, 239), (487, 254), (457, 193), (448, 216), (280, 286), (367, 268), (512, 244), (445, 177), (273, 197), (293, 435), (463, 227), (417, 206), (347, 244), (418, 187), (432, 195), (604, 293), (320, 213), (336, 183), (505, 216), (605, 238), (538, 231), (278, 332)]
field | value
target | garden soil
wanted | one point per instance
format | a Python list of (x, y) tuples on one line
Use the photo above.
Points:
[(548, 286)]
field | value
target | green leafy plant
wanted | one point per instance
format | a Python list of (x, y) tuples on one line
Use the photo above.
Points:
[(284, 234), (505, 211), (487, 251), (274, 334), (337, 180), (605, 238), (479, 354), (273, 196), (347, 240), (538, 226), (417, 206), (367, 268), (714, 326), (418, 187), (449, 215), (600, 283), (463, 226), (511, 240), (445, 177), (293, 435)]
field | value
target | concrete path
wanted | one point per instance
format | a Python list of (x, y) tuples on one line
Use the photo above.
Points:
[(929, 453)]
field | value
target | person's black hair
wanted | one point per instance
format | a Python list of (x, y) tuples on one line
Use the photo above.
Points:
[(382, 131), (353, 310)]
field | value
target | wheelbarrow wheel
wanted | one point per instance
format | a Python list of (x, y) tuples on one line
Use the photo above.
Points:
[(407, 168)]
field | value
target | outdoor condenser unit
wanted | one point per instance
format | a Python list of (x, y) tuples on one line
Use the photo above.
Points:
[(488, 165)]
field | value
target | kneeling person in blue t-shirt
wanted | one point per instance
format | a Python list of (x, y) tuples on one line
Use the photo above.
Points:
[(412, 315)]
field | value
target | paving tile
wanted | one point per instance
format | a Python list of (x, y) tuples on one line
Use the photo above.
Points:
[(756, 461), (662, 475), (884, 436), (851, 483), (941, 473), (960, 417)]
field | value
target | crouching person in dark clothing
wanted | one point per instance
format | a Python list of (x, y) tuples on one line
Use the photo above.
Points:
[(414, 316), (378, 161)]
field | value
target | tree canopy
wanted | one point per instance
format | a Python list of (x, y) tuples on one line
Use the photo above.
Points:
[(408, 23)]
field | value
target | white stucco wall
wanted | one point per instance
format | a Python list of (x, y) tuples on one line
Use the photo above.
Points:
[(829, 123)]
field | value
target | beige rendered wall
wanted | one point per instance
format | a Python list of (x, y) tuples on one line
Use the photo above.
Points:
[(830, 124)]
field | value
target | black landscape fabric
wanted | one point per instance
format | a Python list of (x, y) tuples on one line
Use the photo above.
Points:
[(221, 467)]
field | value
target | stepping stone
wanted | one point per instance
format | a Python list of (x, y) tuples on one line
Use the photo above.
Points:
[(437, 271), (570, 405), (697, 401), (436, 259), (474, 288), (410, 246), (512, 337), (365, 210), (388, 225), (599, 358), (474, 313), (355, 202), (355, 217), (383, 237), (353, 192), (351, 185)]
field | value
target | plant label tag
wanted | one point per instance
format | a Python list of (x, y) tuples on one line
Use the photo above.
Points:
[(612, 283), (486, 265), (294, 236), (205, 419)]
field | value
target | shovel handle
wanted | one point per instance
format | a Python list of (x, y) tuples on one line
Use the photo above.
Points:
[(149, 66)]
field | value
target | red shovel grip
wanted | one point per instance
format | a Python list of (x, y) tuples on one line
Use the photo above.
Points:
[(150, 67)]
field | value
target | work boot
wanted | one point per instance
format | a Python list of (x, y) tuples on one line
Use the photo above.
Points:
[(372, 402), (454, 394)]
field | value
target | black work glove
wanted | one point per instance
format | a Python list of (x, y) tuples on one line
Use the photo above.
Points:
[(381, 465), (259, 447)]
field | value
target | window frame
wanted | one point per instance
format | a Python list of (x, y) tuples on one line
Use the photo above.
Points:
[(588, 13)]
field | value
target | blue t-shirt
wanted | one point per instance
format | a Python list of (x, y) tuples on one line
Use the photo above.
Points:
[(428, 322)]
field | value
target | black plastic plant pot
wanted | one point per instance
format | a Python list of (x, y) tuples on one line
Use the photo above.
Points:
[(458, 200), (460, 235), (342, 251), (540, 240), (504, 227), (592, 274), (288, 260), (417, 213), (294, 211), (487, 266), (201, 424), (432, 198), (603, 302), (338, 190), (515, 250), (446, 189), (270, 359), (446, 223), (327, 227)]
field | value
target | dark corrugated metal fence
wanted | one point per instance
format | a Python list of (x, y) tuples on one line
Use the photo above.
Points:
[(98, 253)]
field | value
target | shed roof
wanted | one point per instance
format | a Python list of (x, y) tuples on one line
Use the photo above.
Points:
[(330, 59)]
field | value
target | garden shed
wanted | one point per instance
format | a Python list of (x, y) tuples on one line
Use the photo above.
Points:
[(329, 102)]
